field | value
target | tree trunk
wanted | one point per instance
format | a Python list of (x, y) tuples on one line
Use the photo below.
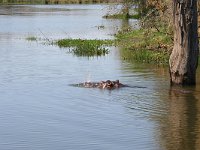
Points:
[(184, 58)]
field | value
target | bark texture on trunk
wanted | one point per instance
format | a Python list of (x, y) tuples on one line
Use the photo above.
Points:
[(184, 58)]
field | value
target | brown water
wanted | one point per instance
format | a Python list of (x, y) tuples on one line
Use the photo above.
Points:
[(40, 110)]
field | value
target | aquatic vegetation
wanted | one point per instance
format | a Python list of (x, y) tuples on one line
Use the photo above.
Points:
[(31, 38), (101, 27), (82, 47), (121, 16), (145, 45), (151, 56)]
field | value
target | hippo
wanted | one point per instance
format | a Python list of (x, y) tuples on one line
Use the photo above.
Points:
[(108, 84)]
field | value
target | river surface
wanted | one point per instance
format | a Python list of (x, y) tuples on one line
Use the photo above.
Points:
[(39, 110)]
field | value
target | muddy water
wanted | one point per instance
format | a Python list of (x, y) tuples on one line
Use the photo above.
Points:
[(40, 110)]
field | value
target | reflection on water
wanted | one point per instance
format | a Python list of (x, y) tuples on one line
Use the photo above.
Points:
[(40, 110), (182, 124)]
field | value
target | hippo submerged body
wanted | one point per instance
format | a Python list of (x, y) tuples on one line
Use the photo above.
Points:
[(102, 85)]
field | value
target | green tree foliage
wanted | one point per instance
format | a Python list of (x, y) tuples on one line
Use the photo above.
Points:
[(156, 18)]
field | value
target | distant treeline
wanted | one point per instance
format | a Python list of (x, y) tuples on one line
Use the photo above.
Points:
[(56, 1)]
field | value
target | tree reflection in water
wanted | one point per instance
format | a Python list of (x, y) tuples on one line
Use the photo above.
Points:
[(181, 132)]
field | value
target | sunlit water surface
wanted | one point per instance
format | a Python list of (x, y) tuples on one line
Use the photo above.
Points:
[(40, 110)]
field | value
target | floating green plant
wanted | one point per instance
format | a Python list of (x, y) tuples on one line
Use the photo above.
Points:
[(31, 38), (82, 47), (121, 16)]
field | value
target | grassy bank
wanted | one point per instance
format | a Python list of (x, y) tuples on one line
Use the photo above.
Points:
[(145, 45), (81, 47)]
